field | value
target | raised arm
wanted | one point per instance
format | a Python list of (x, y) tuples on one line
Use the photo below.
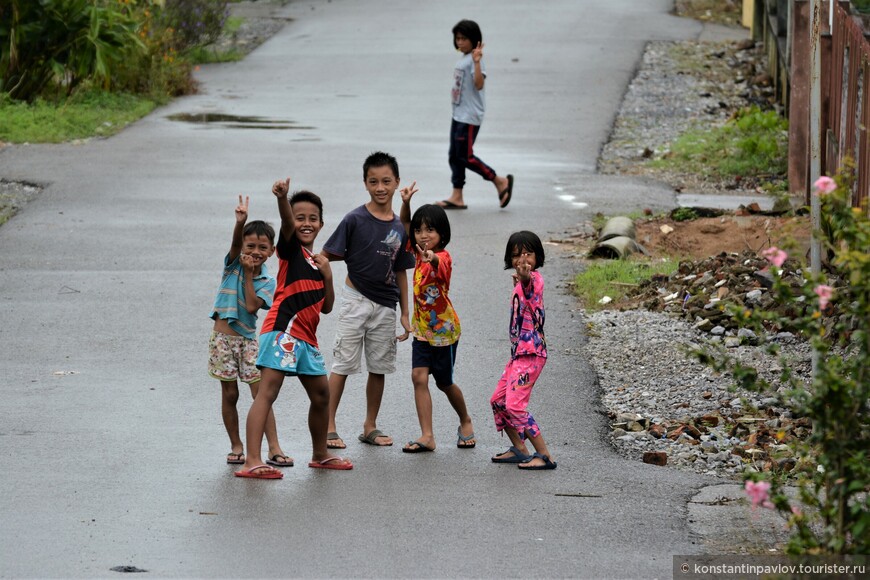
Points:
[(238, 230), (476, 55), (405, 213), (280, 189)]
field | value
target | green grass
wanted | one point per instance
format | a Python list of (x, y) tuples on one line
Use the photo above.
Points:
[(87, 114), (616, 278), (210, 54), (752, 144)]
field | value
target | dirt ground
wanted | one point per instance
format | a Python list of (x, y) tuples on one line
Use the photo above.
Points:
[(704, 237)]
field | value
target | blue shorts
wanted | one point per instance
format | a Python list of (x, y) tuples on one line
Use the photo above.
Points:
[(291, 356), (438, 359)]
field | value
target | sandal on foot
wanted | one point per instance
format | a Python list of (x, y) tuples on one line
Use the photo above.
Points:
[(334, 462), (547, 463), (279, 460), (463, 440), (420, 447), (517, 457), (333, 436), (504, 197), (372, 437), (235, 458)]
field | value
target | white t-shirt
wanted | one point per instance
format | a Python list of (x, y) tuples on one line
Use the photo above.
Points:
[(468, 103)]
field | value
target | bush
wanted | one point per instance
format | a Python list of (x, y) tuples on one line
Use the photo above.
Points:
[(63, 41), (194, 23), (833, 312)]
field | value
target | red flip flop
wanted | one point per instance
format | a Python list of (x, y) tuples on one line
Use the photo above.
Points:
[(255, 474), (330, 463)]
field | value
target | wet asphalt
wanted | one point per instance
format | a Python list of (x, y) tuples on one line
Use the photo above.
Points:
[(111, 427)]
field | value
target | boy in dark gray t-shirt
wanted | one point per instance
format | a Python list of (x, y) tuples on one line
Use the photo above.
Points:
[(374, 245)]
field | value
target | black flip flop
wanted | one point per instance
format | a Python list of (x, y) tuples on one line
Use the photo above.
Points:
[(504, 198)]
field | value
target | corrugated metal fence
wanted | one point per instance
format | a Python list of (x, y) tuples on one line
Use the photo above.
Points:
[(844, 128)]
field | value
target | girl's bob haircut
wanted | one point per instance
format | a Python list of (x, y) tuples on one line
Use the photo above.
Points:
[(524, 240), (470, 30), (435, 217)]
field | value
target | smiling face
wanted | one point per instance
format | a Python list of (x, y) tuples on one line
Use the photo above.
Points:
[(259, 247), (523, 256), (381, 183), (307, 221), (427, 237)]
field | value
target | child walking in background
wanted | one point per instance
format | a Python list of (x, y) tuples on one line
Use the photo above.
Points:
[(435, 324), (246, 287), (469, 104), (288, 339), (373, 243), (525, 254)]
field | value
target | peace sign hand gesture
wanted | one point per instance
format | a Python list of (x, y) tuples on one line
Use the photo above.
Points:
[(408, 192), (477, 53), (425, 255), (242, 210)]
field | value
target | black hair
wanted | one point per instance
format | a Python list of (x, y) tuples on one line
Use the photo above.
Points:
[(310, 197), (260, 228), (380, 159), (470, 30), (524, 240), (435, 217)]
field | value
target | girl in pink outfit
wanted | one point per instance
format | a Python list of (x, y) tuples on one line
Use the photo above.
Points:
[(525, 254)]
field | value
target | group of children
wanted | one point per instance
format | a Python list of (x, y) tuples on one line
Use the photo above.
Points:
[(378, 247)]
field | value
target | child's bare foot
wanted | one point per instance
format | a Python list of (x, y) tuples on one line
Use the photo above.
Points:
[(512, 455), (330, 462), (280, 460), (421, 445), (333, 441), (465, 436)]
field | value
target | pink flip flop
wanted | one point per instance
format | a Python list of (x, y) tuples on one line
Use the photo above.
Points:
[(256, 473), (330, 463)]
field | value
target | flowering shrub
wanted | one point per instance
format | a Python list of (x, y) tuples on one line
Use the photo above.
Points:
[(832, 311), (194, 22)]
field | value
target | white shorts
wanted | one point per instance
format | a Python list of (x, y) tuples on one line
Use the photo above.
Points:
[(363, 323)]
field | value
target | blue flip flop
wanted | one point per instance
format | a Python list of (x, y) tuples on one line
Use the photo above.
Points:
[(547, 463), (462, 441), (518, 457)]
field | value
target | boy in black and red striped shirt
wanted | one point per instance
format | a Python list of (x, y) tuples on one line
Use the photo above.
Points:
[(288, 337)]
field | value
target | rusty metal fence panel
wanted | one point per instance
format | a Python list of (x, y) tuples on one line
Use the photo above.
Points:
[(845, 127)]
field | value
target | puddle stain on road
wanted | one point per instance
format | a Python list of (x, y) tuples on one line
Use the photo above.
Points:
[(238, 121)]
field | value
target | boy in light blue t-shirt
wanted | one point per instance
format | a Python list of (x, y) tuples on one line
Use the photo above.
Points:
[(246, 287)]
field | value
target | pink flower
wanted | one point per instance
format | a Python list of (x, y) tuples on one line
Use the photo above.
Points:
[(825, 293), (775, 256), (758, 493), (825, 185), (796, 511)]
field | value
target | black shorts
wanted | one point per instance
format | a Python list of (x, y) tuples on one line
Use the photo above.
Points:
[(438, 359)]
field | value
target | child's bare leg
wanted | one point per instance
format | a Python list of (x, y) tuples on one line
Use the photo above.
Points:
[(317, 388), (516, 441), (500, 183), (336, 389), (374, 394), (541, 447), (272, 432), (267, 392), (230, 414), (457, 401), (456, 197), (423, 402)]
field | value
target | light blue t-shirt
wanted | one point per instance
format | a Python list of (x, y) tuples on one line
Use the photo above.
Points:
[(468, 103), (230, 302)]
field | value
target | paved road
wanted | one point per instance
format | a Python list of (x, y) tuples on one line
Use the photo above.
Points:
[(113, 439)]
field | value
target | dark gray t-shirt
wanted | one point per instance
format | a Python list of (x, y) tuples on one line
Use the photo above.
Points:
[(374, 250)]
